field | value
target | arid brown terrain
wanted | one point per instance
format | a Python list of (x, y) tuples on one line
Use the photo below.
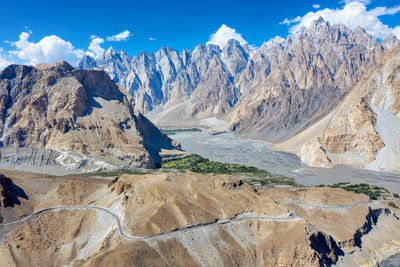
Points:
[(188, 219)]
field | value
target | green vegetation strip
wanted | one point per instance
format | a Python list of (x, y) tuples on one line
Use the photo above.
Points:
[(251, 175), (374, 192), (175, 131)]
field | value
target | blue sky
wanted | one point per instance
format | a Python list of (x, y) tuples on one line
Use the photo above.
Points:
[(68, 28)]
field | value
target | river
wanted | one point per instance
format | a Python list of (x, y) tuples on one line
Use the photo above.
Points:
[(225, 147)]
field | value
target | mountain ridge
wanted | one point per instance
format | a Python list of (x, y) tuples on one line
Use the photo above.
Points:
[(73, 120), (271, 94), (324, 58)]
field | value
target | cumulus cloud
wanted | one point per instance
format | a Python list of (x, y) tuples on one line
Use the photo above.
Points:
[(152, 39), (95, 49), (48, 50), (352, 14), (52, 48), (122, 36), (316, 6), (223, 35)]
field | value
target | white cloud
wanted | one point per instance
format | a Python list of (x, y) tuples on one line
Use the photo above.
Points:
[(353, 14), (94, 47), (122, 36), (48, 50), (316, 6), (366, 2), (152, 39), (223, 35), (290, 21)]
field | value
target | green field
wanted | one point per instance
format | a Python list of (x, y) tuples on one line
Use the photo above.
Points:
[(374, 192), (195, 163), (255, 177), (251, 175), (175, 131)]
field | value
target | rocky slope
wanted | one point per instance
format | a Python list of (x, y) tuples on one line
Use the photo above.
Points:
[(364, 129), (64, 119), (290, 83), (167, 78), (186, 219), (271, 94)]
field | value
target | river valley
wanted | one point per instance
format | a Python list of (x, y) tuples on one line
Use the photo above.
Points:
[(225, 147)]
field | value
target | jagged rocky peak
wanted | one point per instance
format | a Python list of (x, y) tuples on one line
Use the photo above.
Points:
[(119, 58), (185, 56), (288, 85), (110, 51), (202, 56), (276, 41), (361, 36), (71, 119), (169, 59), (166, 51), (390, 41), (320, 25), (87, 62), (300, 77), (234, 57), (216, 93), (232, 45)]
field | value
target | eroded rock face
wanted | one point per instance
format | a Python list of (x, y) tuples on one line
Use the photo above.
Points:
[(290, 83), (365, 128), (80, 115)]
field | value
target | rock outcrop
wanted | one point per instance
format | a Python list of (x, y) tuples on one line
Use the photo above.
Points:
[(61, 118), (364, 129)]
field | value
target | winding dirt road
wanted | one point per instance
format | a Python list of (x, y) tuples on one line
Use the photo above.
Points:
[(316, 205), (245, 216), (292, 217)]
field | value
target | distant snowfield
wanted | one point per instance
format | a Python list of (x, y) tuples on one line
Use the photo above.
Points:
[(225, 147)]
